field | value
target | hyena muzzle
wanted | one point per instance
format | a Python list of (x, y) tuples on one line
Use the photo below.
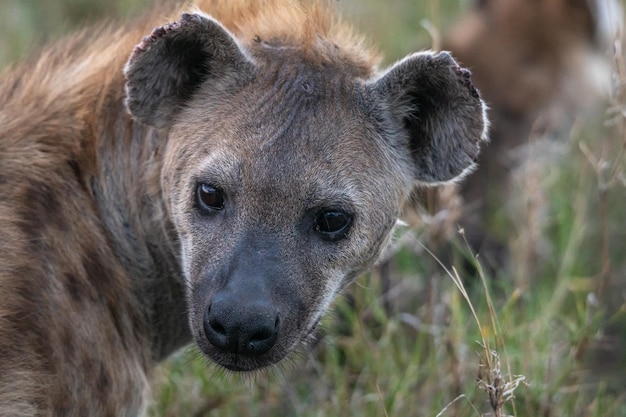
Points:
[(224, 185)]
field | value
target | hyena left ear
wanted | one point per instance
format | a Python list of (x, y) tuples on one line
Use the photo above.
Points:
[(434, 108), (168, 66)]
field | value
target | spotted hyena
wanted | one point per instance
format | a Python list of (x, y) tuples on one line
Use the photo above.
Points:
[(539, 64), (219, 180)]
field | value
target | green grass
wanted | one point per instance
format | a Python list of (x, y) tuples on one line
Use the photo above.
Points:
[(554, 321)]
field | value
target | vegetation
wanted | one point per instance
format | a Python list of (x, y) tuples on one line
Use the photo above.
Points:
[(545, 336)]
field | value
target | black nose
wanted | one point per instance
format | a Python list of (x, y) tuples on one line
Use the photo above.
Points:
[(241, 328)]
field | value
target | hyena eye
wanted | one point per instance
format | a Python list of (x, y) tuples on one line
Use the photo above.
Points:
[(209, 198), (332, 225)]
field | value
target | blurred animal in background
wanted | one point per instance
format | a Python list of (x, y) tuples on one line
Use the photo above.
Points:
[(540, 65)]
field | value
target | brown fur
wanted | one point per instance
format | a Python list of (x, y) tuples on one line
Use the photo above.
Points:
[(539, 65), (107, 264)]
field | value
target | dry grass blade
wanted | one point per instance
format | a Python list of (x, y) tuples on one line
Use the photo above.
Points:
[(458, 282), (499, 388), (491, 380), (462, 396)]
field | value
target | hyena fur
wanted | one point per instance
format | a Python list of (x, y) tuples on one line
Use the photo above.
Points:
[(219, 180), (539, 65)]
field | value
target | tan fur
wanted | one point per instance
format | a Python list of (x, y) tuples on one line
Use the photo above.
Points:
[(539, 65)]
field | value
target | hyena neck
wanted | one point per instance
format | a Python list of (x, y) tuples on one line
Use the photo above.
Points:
[(128, 195)]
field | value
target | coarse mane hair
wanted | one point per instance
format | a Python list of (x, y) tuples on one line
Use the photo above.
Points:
[(312, 26), (83, 69)]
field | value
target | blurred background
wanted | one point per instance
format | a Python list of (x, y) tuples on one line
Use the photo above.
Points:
[(505, 295)]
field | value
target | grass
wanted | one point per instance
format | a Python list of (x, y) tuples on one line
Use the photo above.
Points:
[(545, 336)]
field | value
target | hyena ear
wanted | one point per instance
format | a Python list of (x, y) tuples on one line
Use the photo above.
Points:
[(436, 109), (168, 66)]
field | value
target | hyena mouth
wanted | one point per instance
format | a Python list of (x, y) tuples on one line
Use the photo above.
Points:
[(243, 361), (242, 342), (251, 345)]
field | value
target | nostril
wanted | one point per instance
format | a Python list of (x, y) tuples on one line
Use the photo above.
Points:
[(214, 330), (216, 326), (261, 335), (263, 340)]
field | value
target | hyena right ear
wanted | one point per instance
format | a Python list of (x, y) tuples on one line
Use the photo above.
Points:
[(168, 66), (435, 113)]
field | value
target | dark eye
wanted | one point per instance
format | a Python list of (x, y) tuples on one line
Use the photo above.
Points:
[(209, 198), (332, 225)]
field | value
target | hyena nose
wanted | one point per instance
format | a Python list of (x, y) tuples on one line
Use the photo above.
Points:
[(248, 329)]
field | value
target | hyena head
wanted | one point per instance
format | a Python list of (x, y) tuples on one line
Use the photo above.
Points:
[(286, 169)]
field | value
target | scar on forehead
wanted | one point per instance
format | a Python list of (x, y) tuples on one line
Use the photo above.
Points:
[(306, 87)]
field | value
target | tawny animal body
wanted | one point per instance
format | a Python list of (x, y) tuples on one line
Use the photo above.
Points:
[(222, 184), (539, 65)]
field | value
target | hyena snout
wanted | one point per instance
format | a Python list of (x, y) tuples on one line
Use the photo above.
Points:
[(236, 325)]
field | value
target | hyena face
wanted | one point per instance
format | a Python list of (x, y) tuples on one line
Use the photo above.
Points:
[(286, 169)]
